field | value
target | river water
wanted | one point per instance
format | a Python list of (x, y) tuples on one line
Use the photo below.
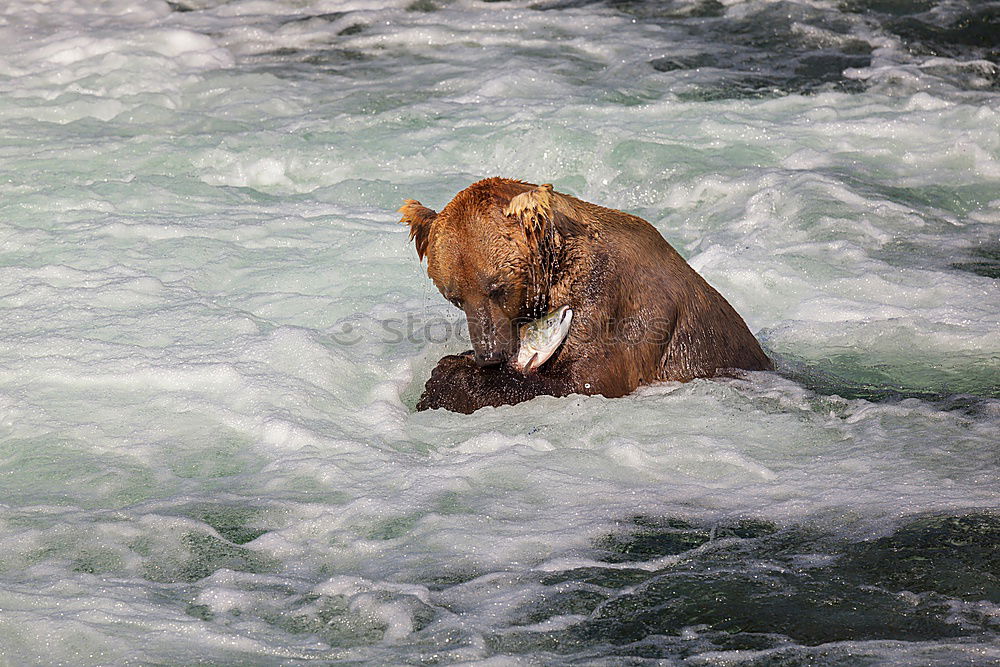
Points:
[(215, 331)]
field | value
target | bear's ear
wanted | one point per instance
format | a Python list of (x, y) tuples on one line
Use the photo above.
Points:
[(541, 212), (419, 218)]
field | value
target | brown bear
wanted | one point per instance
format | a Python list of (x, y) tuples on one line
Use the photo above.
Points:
[(507, 252)]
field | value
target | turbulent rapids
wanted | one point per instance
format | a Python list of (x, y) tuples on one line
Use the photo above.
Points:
[(215, 334)]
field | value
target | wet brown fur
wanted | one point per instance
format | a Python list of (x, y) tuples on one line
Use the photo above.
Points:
[(507, 252)]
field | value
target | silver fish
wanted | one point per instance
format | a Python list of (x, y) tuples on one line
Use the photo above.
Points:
[(541, 338)]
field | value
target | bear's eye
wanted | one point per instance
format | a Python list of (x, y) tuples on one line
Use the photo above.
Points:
[(498, 292)]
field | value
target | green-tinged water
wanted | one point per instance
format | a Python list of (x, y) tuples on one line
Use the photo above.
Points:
[(215, 333)]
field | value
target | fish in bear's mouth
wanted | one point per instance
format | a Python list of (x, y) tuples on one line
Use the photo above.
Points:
[(541, 338)]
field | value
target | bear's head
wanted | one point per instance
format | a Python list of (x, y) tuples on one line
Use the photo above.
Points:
[(494, 251)]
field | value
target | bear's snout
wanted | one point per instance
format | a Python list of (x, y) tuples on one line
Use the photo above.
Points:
[(493, 333)]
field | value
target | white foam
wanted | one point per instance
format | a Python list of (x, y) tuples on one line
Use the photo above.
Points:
[(201, 462)]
